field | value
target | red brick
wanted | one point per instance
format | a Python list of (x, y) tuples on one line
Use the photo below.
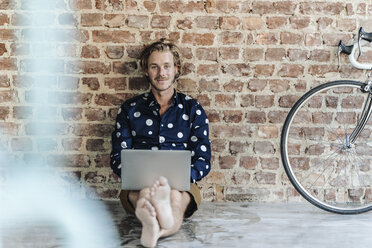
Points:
[(80, 4), (324, 22), (346, 24), (229, 131), (7, 96), (291, 70), (297, 54), (229, 23), (234, 86), (229, 53), (109, 99), (252, 23), (264, 70), (149, 5), (255, 85), (94, 177), (126, 68), (276, 116), (92, 83), (179, 6), (188, 68), (209, 22), (203, 99), (88, 67), (138, 21), (4, 19), (237, 147), (116, 83), (133, 52), (114, 52), (238, 70), (313, 40), (208, 70), (206, 53), (186, 85), (275, 54), (287, 101), (95, 130), (4, 81), (216, 177), (299, 22), (265, 177), (254, 54), (129, 4), (248, 162), (227, 162), (114, 20), (208, 85), (8, 64), (91, 19), (290, 38), (198, 39), (184, 23), (263, 147), (232, 116), (255, 117), (228, 38), (274, 22), (321, 70), (326, 8), (277, 85), (267, 39), (160, 21), (225, 100), (89, 51), (320, 55), (268, 132), (118, 36), (7, 35), (4, 113), (264, 101), (95, 145), (138, 83), (241, 178), (247, 100)]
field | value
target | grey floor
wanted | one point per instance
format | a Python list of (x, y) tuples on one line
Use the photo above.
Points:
[(261, 225)]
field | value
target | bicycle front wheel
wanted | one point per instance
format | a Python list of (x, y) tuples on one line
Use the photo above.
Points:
[(317, 156)]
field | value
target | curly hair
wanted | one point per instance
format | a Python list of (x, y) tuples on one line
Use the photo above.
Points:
[(162, 46)]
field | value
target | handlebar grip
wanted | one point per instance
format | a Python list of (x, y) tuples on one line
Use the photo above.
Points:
[(364, 35)]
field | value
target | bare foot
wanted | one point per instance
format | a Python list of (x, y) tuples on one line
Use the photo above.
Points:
[(146, 213), (160, 199)]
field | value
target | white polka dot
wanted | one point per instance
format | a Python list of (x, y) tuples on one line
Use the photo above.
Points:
[(118, 134), (119, 166), (194, 138), (137, 114), (206, 121), (161, 139), (205, 132), (146, 94), (133, 104), (150, 132), (155, 113), (192, 153), (180, 106), (119, 111), (134, 133), (154, 148), (192, 165), (203, 148), (207, 167), (114, 162), (124, 144), (180, 135), (149, 122), (196, 127), (201, 173), (170, 125), (174, 145), (118, 125), (188, 98), (198, 112), (185, 117), (203, 159), (185, 145)]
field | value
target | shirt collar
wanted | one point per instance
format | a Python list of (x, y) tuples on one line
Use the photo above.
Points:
[(152, 101)]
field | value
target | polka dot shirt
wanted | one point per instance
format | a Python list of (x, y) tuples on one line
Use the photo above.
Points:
[(184, 126)]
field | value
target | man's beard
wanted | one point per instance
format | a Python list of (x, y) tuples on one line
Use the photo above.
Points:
[(156, 88)]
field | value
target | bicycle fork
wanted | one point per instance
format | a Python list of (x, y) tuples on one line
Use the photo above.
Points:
[(366, 113)]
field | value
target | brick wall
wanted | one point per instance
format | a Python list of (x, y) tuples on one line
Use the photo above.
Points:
[(245, 61)]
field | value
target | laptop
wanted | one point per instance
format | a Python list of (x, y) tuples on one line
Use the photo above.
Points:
[(141, 168)]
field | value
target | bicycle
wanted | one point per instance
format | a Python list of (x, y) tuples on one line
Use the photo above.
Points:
[(326, 141)]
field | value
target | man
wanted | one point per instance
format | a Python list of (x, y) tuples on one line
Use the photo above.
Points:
[(167, 120)]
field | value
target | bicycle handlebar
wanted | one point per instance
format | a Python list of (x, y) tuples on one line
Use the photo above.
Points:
[(363, 38)]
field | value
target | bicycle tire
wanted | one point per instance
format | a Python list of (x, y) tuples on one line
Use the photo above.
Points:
[(324, 171)]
